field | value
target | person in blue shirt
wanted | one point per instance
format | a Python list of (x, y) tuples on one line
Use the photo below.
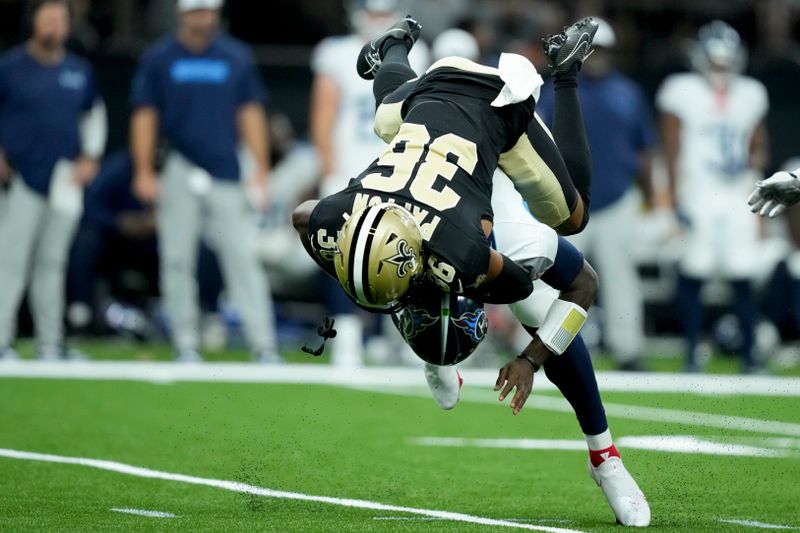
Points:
[(621, 137), (52, 133), (200, 91), (118, 235)]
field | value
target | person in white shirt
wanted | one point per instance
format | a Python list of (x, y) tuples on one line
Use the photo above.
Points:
[(715, 146), (341, 123)]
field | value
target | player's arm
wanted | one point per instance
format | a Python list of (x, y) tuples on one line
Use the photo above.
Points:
[(577, 282), (251, 120), (671, 141), (301, 220), (325, 96), (144, 136), (254, 131)]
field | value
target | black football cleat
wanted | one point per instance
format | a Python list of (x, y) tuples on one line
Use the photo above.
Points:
[(371, 56), (573, 45)]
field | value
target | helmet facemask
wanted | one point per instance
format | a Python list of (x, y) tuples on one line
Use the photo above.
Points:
[(719, 54)]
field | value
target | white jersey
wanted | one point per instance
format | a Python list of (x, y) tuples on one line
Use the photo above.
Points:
[(355, 144), (716, 130)]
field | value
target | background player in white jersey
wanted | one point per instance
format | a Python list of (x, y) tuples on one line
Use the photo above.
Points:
[(341, 123), (52, 133), (715, 144)]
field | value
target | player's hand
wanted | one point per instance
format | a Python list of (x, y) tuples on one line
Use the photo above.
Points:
[(774, 194), (518, 373), (146, 188), (5, 169), (84, 170), (137, 225), (258, 190)]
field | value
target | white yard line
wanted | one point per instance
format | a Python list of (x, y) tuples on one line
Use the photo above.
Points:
[(142, 512), (618, 410), (756, 523), (167, 372), (663, 443), (234, 486)]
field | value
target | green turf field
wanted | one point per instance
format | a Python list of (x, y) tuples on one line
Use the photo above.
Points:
[(347, 443)]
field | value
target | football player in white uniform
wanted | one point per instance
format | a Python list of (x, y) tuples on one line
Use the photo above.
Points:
[(341, 123), (715, 146)]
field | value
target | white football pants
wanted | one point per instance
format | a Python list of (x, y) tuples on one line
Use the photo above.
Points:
[(607, 242), (35, 240), (189, 205)]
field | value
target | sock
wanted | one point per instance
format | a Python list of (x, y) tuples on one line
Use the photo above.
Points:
[(573, 374), (569, 133), (744, 306), (598, 457), (394, 51), (394, 71), (601, 441), (690, 308)]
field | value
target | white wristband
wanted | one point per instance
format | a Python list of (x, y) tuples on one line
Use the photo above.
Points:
[(562, 324), (94, 131)]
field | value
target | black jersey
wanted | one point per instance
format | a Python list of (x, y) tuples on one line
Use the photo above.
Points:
[(444, 148)]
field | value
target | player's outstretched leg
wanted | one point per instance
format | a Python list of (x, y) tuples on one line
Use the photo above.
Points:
[(404, 31), (573, 374), (445, 384), (570, 47)]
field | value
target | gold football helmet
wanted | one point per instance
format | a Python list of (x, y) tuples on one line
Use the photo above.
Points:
[(380, 252)]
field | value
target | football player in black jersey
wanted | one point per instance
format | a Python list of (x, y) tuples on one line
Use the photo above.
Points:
[(393, 233), (423, 208)]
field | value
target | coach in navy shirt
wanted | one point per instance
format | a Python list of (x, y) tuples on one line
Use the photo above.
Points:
[(621, 136), (201, 91), (52, 132)]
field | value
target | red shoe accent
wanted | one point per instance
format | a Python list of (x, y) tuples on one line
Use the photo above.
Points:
[(460, 379), (598, 457)]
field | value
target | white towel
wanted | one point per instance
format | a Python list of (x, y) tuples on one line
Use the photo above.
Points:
[(66, 196), (521, 80)]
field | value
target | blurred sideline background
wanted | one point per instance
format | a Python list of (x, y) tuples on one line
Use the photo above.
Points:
[(653, 40)]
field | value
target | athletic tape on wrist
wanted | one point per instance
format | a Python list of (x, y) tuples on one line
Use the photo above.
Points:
[(562, 324)]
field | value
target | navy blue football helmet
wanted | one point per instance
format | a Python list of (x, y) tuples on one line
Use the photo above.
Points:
[(442, 328)]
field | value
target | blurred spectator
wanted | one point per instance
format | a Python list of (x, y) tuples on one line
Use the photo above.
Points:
[(295, 171), (117, 242), (621, 136), (52, 132), (715, 146), (201, 89), (341, 124)]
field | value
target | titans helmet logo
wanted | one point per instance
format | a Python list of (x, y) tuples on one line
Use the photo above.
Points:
[(405, 259), (414, 320), (473, 323)]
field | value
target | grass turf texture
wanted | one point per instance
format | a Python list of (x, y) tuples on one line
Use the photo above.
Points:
[(354, 444)]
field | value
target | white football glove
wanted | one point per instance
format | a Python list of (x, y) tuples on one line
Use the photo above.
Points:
[(775, 194)]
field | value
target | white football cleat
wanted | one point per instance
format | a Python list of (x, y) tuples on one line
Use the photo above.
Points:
[(623, 494), (445, 384)]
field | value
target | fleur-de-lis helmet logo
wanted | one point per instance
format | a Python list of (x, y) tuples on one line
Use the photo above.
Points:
[(405, 259)]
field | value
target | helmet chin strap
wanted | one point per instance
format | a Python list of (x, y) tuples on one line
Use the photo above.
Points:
[(325, 331)]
